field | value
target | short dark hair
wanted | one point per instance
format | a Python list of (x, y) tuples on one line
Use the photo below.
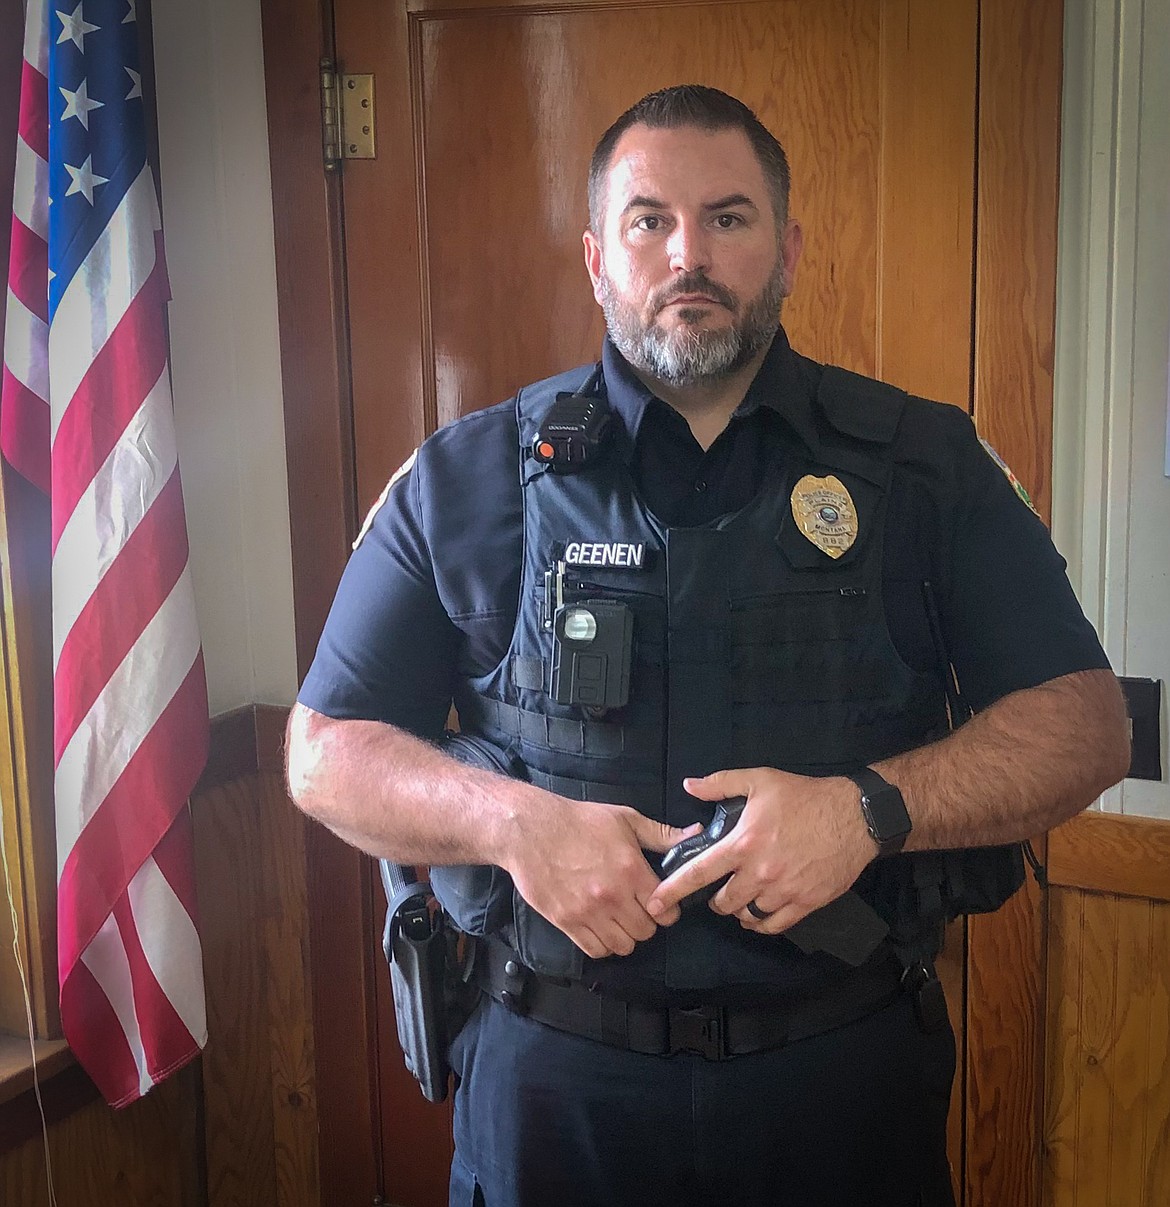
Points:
[(692, 105)]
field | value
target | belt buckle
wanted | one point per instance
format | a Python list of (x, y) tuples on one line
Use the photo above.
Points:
[(702, 1030)]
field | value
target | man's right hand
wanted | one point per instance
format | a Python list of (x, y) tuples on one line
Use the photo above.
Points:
[(578, 863), (581, 865)]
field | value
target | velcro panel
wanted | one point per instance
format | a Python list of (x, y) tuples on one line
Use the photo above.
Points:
[(821, 616), (529, 672)]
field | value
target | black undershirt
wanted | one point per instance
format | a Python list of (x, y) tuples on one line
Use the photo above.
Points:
[(685, 486)]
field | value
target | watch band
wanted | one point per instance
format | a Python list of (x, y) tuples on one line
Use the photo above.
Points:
[(886, 816)]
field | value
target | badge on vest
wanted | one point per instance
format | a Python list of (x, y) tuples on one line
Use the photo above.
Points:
[(824, 512)]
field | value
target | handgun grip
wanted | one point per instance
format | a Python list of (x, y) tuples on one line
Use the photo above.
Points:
[(727, 813), (846, 928)]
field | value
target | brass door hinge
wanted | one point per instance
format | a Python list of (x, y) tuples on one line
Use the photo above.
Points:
[(347, 116)]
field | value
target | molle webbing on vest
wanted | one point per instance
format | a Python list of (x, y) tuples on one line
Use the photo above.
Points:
[(565, 734), (832, 748), (534, 674), (832, 684), (643, 797)]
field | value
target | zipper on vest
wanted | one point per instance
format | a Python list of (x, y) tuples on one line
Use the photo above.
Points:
[(755, 601), (582, 584)]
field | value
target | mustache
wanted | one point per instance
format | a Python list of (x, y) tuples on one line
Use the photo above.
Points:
[(696, 282)]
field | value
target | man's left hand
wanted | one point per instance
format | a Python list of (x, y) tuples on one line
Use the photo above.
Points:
[(800, 843)]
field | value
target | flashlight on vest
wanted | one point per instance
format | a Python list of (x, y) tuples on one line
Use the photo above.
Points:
[(593, 645), (572, 433)]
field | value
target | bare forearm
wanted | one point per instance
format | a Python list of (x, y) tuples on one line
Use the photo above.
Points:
[(580, 864), (1027, 763), (396, 797)]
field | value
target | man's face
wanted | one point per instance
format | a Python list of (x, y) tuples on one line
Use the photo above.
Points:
[(689, 266)]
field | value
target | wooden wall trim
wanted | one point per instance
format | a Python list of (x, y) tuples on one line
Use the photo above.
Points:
[(323, 515), (19, 1061), (1020, 68), (310, 292), (244, 741), (1112, 853)]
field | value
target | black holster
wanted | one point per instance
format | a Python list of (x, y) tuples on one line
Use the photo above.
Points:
[(422, 977)]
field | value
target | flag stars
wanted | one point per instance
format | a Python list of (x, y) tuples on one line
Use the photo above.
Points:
[(135, 83), (132, 15), (74, 28), (84, 181), (78, 104)]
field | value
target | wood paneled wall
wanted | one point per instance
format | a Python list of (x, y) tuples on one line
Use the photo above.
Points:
[(239, 1128), (259, 1093), (144, 1155), (1107, 1112)]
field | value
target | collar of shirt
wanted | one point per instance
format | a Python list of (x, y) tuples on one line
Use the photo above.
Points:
[(783, 384)]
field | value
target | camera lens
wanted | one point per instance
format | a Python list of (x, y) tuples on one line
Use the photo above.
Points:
[(580, 625)]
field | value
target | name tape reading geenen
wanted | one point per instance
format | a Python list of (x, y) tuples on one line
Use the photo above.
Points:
[(606, 553)]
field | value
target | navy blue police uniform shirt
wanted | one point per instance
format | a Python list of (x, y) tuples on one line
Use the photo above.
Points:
[(396, 639)]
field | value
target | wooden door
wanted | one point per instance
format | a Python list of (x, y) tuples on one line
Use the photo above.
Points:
[(465, 277), (463, 237), (436, 278)]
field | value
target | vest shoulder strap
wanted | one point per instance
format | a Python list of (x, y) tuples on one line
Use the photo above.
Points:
[(861, 406)]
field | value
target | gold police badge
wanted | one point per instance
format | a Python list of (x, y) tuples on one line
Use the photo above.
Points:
[(824, 512)]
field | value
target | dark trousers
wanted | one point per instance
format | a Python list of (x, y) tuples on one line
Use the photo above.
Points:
[(852, 1118)]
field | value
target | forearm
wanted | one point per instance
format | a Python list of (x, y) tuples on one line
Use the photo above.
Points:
[(580, 864), (394, 796), (1027, 763)]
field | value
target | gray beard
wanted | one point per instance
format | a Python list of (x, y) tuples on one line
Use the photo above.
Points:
[(689, 356)]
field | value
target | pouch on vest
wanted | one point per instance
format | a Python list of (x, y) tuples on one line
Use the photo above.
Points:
[(477, 897), (481, 900)]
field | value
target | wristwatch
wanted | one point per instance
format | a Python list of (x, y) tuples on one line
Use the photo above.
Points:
[(884, 810)]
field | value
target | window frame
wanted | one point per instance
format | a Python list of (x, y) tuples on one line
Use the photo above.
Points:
[(26, 709)]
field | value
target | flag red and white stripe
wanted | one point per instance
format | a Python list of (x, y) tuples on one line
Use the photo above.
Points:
[(86, 413), (24, 396)]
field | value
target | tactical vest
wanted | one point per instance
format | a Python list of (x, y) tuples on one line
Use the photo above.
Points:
[(752, 647)]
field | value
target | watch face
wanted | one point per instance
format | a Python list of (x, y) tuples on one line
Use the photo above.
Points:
[(886, 813)]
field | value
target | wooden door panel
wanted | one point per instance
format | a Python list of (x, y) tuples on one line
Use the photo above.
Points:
[(534, 91), (463, 253)]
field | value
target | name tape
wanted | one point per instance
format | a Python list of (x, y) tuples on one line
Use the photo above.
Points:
[(605, 553)]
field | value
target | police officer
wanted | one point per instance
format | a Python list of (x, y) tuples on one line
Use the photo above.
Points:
[(705, 569)]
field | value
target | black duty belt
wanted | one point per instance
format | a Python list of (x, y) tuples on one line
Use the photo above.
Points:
[(716, 1032)]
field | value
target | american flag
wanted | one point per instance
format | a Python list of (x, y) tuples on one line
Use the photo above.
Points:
[(86, 414)]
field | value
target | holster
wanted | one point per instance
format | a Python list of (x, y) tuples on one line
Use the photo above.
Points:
[(422, 977)]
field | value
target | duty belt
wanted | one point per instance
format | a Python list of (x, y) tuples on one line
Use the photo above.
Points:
[(715, 1032)]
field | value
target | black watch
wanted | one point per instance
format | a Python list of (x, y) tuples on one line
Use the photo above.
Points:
[(884, 810)]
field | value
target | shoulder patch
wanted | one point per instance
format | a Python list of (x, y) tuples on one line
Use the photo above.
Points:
[(1017, 485), (400, 472)]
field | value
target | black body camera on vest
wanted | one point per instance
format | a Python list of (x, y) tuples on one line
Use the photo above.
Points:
[(593, 643), (572, 433)]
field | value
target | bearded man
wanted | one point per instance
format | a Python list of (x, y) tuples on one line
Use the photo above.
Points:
[(704, 570)]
